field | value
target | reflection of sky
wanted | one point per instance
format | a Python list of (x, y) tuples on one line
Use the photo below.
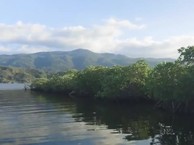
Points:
[(31, 120)]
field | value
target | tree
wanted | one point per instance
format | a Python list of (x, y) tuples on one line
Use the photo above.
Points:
[(135, 81), (186, 55), (165, 83), (89, 80), (39, 84), (112, 82), (125, 82)]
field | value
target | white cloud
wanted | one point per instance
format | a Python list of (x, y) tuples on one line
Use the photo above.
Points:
[(123, 23), (113, 35), (4, 49), (148, 47)]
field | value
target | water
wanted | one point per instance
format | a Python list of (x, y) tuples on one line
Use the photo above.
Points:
[(11, 86), (28, 118)]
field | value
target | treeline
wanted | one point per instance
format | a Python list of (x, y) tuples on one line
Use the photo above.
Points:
[(99, 81), (170, 84)]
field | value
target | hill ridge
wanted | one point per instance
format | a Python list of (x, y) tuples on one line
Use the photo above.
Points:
[(56, 61)]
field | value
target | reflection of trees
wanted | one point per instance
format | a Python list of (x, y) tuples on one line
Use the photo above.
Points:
[(171, 135), (137, 122), (166, 136)]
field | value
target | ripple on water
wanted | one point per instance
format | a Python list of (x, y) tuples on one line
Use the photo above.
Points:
[(28, 118)]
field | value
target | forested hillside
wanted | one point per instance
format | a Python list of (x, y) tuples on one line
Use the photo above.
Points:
[(76, 59), (10, 75)]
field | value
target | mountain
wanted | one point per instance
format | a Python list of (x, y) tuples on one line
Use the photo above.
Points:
[(64, 60)]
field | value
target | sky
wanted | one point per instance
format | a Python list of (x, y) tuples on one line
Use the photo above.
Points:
[(135, 28)]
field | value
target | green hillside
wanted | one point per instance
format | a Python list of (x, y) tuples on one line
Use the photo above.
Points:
[(65, 60), (10, 74)]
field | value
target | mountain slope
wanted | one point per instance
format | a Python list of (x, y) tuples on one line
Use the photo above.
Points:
[(64, 60), (11, 74)]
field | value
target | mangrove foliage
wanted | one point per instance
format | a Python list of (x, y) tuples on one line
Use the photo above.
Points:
[(169, 84)]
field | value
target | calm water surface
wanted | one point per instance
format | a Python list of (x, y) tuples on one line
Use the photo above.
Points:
[(11, 86), (28, 118)]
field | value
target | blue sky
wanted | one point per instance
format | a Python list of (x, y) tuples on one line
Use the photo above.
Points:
[(136, 28)]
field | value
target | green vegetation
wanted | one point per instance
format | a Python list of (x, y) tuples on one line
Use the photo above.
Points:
[(10, 75), (62, 61), (99, 82), (169, 84)]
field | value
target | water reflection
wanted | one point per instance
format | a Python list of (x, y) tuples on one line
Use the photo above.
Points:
[(139, 122), (32, 119)]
